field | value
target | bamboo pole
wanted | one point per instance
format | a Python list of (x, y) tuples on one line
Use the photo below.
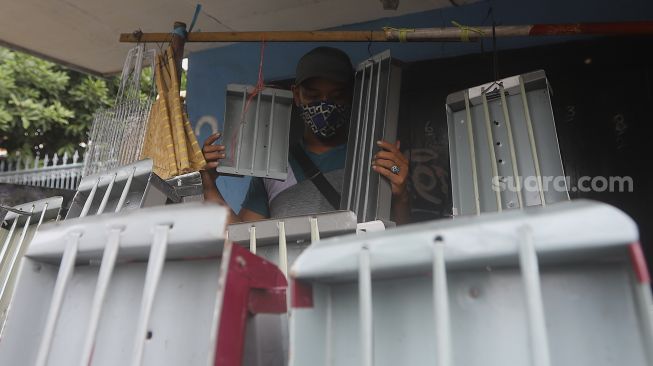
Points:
[(275, 36), (459, 33)]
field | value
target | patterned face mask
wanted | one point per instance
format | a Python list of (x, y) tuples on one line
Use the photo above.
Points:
[(325, 117)]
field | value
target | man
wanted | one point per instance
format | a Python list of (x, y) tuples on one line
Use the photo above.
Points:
[(323, 91)]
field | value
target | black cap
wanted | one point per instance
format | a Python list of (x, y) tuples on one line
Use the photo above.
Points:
[(325, 62)]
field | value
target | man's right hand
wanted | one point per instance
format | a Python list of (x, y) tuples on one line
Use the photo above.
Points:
[(213, 154)]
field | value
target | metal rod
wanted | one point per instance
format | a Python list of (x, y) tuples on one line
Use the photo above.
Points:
[(531, 139), (107, 133), (256, 115), (240, 130), (315, 230), (642, 290), (539, 343), (105, 199), (283, 249), (143, 127), (152, 277), (125, 72), (270, 132), (441, 306), (119, 115), (92, 142), (219, 301), (66, 269), (114, 133), (89, 199), (45, 209), (472, 153), (125, 191), (5, 246), (363, 163), (130, 132), (350, 192), (138, 67), (365, 307), (493, 157), (328, 336), (252, 239), (9, 266), (106, 270), (371, 142), (645, 304), (511, 144), (446, 34)]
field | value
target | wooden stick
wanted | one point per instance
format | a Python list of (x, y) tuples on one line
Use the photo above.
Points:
[(178, 41), (277, 36), (460, 33)]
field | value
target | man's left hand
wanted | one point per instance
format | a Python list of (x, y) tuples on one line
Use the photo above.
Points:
[(384, 161)]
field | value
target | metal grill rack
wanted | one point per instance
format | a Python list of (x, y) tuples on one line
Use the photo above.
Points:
[(256, 132), (117, 133), (560, 285), (22, 222), (128, 187), (281, 240), (503, 146), (143, 287), (374, 117)]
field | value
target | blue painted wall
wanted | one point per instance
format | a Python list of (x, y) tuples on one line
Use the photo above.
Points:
[(211, 70)]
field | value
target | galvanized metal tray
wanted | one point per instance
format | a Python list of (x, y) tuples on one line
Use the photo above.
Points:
[(21, 224), (503, 146), (128, 187), (155, 286), (256, 132), (562, 285), (281, 241), (374, 117)]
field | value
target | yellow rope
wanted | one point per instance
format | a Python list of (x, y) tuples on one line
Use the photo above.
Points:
[(402, 32), (465, 31)]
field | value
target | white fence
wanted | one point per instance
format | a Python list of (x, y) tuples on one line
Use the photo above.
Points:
[(59, 172)]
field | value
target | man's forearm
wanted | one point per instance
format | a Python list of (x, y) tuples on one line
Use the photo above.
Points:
[(212, 194), (401, 208)]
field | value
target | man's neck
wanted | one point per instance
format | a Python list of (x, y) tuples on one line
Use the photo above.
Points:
[(317, 146)]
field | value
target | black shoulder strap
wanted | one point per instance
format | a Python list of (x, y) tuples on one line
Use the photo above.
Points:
[(315, 175)]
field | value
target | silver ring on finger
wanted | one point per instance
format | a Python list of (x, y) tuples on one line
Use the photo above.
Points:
[(395, 169)]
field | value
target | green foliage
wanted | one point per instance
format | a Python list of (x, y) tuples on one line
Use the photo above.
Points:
[(42, 103)]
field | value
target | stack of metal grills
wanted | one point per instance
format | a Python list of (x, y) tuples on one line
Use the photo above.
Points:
[(117, 133)]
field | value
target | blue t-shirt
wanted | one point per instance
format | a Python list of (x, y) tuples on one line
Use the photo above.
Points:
[(262, 190)]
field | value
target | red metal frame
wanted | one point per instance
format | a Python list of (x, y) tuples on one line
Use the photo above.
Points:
[(252, 286), (302, 294), (623, 28), (639, 263)]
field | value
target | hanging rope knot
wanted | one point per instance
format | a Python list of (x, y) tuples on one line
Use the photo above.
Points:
[(466, 30), (402, 32), (180, 31), (258, 88), (138, 34), (260, 83)]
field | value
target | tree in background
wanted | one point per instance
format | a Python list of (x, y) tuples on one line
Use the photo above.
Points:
[(46, 108)]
